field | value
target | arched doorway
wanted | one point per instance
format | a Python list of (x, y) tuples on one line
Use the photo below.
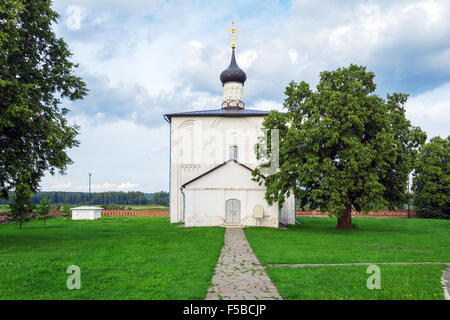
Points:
[(233, 211)]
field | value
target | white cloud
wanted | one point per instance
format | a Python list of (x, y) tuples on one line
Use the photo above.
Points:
[(431, 8), (76, 14), (267, 105), (431, 111), (141, 44), (247, 57), (142, 59), (127, 186), (197, 45), (107, 186), (121, 155), (293, 55), (59, 187)]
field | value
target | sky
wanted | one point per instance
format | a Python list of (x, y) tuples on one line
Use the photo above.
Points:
[(141, 59)]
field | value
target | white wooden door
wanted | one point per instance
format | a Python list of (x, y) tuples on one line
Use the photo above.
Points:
[(233, 211)]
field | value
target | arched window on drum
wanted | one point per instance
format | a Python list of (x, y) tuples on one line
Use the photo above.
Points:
[(234, 153)]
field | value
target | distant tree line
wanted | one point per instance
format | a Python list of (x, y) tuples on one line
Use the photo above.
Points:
[(101, 198), (160, 198)]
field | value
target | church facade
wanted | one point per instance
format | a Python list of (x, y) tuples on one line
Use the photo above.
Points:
[(211, 159)]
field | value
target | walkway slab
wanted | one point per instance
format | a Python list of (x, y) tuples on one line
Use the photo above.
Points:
[(446, 283), (304, 265), (238, 273)]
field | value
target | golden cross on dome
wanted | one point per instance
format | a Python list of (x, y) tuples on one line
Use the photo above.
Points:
[(233, 35)]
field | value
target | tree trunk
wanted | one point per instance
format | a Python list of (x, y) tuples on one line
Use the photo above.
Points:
[(345, 220)]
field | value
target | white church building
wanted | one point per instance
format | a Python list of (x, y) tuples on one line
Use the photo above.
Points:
[(211, 159)]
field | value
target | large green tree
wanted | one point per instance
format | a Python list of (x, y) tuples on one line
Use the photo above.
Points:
[(341, 147), (160, 198), (66, 212), (44, 210), (21, 206), (431, 179), (36, 75)]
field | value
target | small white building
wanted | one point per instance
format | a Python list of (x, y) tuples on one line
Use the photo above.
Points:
[(211, 159), (86, 213)]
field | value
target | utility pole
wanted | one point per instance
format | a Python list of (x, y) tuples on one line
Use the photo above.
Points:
[(89, 197)]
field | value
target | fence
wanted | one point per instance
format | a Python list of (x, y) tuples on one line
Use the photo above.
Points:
[(400, 213), (54, 213), (108, 213), (135, 213), (2, 217)]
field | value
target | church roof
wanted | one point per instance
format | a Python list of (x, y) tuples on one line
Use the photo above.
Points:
[(217, 167), (228, 112), (233, 72)]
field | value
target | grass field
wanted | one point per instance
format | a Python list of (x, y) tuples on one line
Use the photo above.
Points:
[(398, 282), (149, 258), (317, 241), (119, 258)]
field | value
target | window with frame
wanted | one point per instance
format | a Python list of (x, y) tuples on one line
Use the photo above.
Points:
[(234, 153)]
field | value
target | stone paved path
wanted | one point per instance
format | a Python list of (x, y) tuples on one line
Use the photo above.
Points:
[(446, 283), (238, 274), (304, 265)]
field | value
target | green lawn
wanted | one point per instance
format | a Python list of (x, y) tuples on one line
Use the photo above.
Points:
[(316, 240), (120, 258), (149, 258), (398, 282)]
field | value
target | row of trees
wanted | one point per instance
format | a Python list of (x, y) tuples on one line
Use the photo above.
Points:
[(24, 206), (431, 180), (24, 210), (137, 198), (342, 147), (160, 198), (100, 198)]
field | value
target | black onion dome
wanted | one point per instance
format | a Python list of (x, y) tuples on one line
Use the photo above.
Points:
[(233, 72)]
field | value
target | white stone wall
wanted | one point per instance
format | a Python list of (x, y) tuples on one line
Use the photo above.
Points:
[(199, 144), (206, 198), (233, 92)]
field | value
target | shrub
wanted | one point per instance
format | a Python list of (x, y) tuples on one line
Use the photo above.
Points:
[(431, 179), (66, 213), (44, 210)]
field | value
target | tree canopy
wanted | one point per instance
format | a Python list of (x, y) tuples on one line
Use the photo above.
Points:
[(44, 210), (431, 179), (341, 147), (96, 198), (21, 206), (100, 198), (36, 75)]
